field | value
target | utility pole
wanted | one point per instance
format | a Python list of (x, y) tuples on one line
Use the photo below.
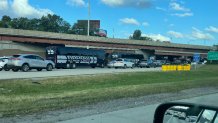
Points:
[(113, 32), (88, 18)]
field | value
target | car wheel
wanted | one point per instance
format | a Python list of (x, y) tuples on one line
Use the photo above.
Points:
[(68, 66), (73, 65), (6, 68), (25, 67), (125, 66), (102, 65), (49, 67), (15, 69), (0, 69), (39, 69), (133, 66)]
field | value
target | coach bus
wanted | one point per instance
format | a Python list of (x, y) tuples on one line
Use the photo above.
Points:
[(71, 57)]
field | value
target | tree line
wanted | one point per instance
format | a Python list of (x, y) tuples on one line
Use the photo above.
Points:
[(54, 23), (49, 23), (137, 35)]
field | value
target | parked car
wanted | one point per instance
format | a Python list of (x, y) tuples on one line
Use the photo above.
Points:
[(147, 63), (111, 64), (26, 62), (3, 63), (158, 63), (142, 63), (123, 63)]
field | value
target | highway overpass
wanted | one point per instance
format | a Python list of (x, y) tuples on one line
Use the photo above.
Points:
[(35, 41)]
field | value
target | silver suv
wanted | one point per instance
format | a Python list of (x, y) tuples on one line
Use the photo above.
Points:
[(3, 63), (26, 62)]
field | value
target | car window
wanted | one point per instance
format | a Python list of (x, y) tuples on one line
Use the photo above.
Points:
[(119, 60), (30, 57), (39, 58), (16, 56)]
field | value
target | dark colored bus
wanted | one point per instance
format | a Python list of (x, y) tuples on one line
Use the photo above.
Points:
[(70, 57)]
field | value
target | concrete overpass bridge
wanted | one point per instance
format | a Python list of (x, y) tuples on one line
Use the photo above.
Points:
[(35, 41)]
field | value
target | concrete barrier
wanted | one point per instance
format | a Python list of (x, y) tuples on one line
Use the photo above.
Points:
[(186, 67)]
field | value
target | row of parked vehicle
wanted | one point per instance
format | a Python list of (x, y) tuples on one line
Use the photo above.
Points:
[(130, 63), (25, 62)]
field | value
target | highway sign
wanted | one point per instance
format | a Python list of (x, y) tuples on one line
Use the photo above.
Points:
[(196, 57), (213, 55)]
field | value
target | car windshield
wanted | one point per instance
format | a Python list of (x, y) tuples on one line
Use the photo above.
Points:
[(119, 60), (106, 61), (16, 56)]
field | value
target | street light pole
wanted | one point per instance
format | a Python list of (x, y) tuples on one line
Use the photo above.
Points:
[(88, 17)]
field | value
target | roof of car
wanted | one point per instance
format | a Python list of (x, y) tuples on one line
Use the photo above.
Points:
[(5, 57), (26, 54)]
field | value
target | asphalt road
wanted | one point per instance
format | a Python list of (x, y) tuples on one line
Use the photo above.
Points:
[(68, 72), (142, 114)]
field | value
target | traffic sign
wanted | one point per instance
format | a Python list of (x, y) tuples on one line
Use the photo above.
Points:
[(212, 55), (196, 57)]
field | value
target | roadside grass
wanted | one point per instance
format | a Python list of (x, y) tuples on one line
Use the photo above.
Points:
[(26, 96)]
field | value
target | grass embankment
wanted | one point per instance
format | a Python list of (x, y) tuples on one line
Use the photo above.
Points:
[(24, 96)]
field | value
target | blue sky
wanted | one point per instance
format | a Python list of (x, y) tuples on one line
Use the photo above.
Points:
[(180, 21)]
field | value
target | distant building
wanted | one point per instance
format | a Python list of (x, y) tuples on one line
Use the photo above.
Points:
[(94, 24), (95, 28)]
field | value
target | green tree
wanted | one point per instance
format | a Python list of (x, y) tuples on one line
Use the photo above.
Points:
[(21, 23), (54, 23), (137, 35), (5, 22), (146, 38)]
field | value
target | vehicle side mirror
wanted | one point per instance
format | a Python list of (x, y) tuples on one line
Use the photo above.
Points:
[(185, 113)]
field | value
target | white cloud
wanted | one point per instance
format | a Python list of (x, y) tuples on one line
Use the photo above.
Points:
[(212, 29), (130, 21), (187, 14), (22, 8), (3, 5), (128, 3), (200, 35), (178, 7), (171, 25), (161, 9), (78, 3), (145, 24), (157, 37), (175, 34)]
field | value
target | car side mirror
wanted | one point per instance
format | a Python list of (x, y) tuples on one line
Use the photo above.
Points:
[(185, 113)]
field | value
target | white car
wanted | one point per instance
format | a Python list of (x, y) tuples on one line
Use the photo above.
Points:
[(26, 62), (111, 64), (124, 63), (3, 63)]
